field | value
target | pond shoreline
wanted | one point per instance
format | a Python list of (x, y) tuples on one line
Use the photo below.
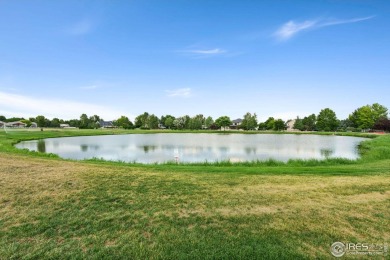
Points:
[(36, 135)]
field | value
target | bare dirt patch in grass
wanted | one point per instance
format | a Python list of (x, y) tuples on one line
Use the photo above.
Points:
[(368, 197)]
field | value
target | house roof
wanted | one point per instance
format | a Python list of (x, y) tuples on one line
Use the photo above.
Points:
[(15, 123), (238, 120), (105, 123)]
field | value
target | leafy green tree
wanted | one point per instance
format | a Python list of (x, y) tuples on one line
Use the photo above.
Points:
[(167, 121), (141, 121), (73, 122), (93, 122), (353, 118), (214, 126), (27, 122), (196, 122), (362, 117), (84, 121), (298, 124), (152, 121), (345, 125), (3, 118), (179, 122), (366, 116), (327, 120), (124, 122), (187, 119), (223, 122), (95, 118), (14, 119), (200, 119), (41, 121), (379, 111), (279, 125), (268, 124), (262, 126), (47, 122), (308, 123), (208, 122), (55, 122), (249, 122)]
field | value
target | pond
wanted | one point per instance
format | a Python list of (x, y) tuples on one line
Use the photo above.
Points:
[(187, 147)]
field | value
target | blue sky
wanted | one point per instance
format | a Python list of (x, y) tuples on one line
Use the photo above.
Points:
[(111, 58)]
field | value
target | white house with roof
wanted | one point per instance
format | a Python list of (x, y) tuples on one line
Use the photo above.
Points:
[(17, 124), (236, 123)]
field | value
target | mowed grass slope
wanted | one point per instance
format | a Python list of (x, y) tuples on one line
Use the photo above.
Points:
[(53, 208)]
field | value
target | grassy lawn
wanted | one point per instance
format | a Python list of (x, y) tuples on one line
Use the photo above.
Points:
[(54, 208)]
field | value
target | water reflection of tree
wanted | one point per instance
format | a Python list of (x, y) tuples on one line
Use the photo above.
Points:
[(326, 152), (249, 150), (84, 147), (41, 146), (148, 148), (224, 149)]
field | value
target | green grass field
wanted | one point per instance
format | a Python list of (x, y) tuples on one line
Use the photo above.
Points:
[(55, 208)]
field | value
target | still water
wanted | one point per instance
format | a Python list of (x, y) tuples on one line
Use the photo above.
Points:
[(152, 148)]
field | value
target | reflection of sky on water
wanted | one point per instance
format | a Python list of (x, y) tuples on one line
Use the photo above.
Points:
[(152, 148)]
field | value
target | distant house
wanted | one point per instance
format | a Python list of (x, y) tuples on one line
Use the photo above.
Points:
[(2, 124), (105, 124), (64, 125), (290, 125), (17, 124), (236, 123)]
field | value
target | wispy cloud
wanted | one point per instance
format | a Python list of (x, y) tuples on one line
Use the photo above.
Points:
[(181, 92), (330, 22), (26, 106), (81, 27), (291, 28), (215, 51), (203, 53)]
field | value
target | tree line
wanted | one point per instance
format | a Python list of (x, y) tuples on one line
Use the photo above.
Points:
[(368, 117), (365, 118)]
